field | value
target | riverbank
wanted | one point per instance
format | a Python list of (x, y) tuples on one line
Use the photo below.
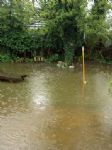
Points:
[(39, 59)]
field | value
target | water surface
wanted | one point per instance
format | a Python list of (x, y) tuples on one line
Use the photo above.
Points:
[(52, 110)]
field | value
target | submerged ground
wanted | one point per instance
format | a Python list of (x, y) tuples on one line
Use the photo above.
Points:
[(52, 110)]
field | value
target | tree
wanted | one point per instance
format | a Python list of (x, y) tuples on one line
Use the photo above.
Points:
[(97, 29), (64, 20), (16, 14)]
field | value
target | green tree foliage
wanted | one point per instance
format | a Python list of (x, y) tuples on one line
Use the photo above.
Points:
[(97, 29), (63, 26), (67, 21), (15, 16), (64, 21)]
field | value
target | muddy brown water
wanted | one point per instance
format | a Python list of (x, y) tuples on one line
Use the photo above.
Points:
[(52, 110)]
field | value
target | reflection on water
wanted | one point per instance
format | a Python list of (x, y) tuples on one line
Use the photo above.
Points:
[(51, 110)]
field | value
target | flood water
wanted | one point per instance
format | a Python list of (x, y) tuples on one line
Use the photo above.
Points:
[(52, 110)]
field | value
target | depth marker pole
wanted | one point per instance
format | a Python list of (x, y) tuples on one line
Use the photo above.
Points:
[(83, 67)]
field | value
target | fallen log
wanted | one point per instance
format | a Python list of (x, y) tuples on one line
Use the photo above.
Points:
[(12, 79)]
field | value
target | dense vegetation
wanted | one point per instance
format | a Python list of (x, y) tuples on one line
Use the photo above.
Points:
[(65, 26)]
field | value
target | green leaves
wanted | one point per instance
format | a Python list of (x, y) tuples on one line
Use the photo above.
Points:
[(20, 42), (97, 28), (64, 24), (16, 14)]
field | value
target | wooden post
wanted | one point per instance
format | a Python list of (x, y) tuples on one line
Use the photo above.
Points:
[(83, 67)]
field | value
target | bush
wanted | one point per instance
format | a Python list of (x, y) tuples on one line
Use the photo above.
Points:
[(5, 58), (20, 42), (53, 58), (69, 55)]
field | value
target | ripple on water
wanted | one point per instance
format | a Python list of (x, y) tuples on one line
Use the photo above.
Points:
[(52, 111)]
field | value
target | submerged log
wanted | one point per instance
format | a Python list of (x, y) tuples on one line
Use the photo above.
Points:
[(12, 79)]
